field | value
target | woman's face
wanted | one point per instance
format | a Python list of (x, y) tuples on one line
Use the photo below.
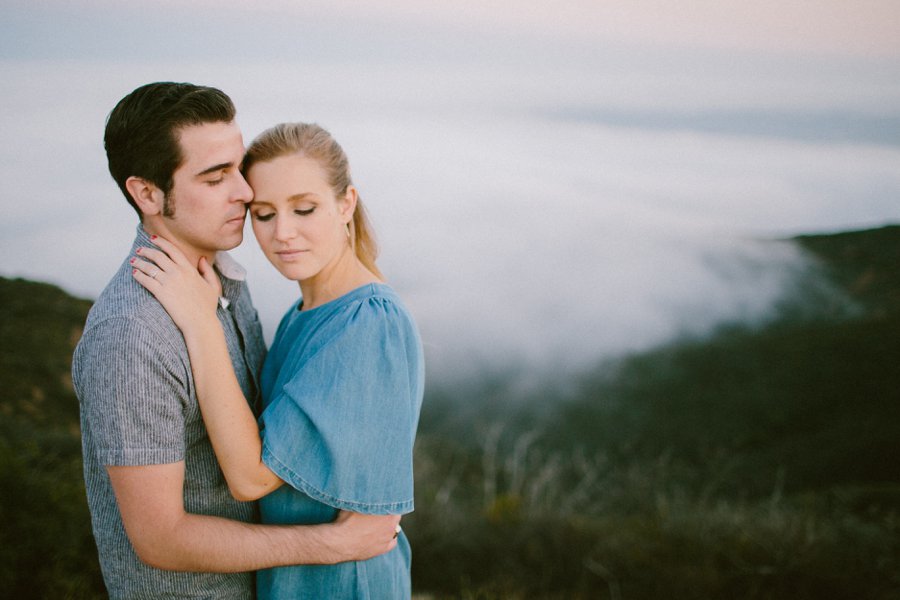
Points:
[(299, 223)]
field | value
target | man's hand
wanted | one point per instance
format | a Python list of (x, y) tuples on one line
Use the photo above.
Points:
[(360, 537)]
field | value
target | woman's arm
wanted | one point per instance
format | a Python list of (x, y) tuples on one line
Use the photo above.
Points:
[(190, 296)]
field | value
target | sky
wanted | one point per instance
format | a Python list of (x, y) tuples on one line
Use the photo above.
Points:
[(551, 182), (838, 28)]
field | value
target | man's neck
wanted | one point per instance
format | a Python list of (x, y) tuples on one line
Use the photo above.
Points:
[(191, 253)]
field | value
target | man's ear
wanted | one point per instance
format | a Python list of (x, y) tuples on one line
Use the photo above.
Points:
[(146, 195)]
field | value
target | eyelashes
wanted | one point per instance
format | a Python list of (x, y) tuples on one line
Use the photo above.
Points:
[(263, 217)]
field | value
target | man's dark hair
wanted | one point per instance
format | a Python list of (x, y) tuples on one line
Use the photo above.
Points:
[(142, 131)]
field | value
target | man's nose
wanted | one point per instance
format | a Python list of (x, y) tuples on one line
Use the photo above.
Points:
[(242, 190)]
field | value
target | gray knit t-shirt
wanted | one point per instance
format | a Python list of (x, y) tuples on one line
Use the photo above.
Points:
[(138, 406)]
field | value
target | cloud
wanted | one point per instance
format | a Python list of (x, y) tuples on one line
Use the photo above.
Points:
[(516, 236), (804, 125)]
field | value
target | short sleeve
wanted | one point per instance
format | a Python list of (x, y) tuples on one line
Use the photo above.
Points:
[(340, 426), (132, 388)]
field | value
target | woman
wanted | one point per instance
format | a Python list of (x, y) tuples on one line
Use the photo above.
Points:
[(342, 384)]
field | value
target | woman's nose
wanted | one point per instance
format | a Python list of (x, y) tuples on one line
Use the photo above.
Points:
[(284, 229)]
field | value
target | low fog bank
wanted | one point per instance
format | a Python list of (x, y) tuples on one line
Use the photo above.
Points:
[(663, 291), (540, 321)]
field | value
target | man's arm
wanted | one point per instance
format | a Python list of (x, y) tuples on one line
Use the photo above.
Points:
[(166, 537)]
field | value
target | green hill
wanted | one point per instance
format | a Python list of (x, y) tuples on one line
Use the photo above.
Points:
[(757, 463), (865, 263), (816, 402), (46, 547)]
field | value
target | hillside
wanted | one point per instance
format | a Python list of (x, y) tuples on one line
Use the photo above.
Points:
[(39, 327), (752, 464), (864, 263), (46, 547), (815, 402)]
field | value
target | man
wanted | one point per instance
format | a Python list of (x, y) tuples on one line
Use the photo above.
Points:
[(163, 519)]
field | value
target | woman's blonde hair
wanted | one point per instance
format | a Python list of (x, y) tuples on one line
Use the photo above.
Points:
[(312, 141)]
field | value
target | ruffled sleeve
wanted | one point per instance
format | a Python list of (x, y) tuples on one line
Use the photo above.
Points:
[(340, 425)]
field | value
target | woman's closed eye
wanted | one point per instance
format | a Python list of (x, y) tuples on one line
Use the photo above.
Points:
[(304, 211), (263, 217)]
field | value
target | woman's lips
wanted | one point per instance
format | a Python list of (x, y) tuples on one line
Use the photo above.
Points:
[(289, 254)]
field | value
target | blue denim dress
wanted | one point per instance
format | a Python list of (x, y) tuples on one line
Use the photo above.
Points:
[(342, 388)]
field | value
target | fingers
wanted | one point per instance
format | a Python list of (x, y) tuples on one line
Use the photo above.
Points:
[(160, 258), (144, 271), (146, 280), (375, 534), (165, 255), (385, 527), (171, 250), (209, 274)]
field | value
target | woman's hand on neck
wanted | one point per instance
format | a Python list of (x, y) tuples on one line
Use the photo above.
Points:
[(157, 227)]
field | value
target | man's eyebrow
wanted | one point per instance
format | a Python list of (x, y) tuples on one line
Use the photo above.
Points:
[(214, 168)]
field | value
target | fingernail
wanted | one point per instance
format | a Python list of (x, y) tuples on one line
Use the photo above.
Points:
[(152, 237), (132, 260), (138, 251), (134, 271)]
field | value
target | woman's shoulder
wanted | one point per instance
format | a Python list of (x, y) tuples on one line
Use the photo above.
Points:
[(371, 312), (376, 301)]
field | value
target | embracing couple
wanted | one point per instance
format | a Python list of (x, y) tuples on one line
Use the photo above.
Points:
[(187, 420)]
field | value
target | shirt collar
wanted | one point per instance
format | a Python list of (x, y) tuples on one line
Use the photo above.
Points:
[(229, 267)]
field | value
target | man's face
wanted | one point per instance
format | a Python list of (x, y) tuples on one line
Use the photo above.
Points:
[(208, 199)]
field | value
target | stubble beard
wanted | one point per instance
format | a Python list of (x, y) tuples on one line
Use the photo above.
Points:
[(168, 209)]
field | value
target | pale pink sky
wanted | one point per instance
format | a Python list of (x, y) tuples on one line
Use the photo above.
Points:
[(842, 27)]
